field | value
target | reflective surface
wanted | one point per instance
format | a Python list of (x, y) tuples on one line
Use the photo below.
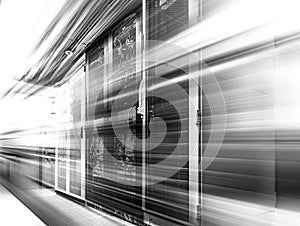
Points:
[(162, 112)]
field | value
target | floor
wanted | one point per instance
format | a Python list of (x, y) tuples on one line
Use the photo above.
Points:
[(37, 207), (13, 212), (80, 214)]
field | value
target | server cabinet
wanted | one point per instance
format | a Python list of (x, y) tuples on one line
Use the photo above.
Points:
[(167, 159), (113, 178), (70, 156)]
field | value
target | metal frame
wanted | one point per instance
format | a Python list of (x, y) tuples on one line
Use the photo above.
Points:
[(80, 74), (195, 96), (56, 152), (195, 127)]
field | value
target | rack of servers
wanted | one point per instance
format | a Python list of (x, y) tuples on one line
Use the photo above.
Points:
[(133, 116), (123, 147)]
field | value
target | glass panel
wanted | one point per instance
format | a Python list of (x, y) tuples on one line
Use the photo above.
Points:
[(166, 18), (167, 149), (62, 139), (124, 45), (75, 136), (95, 148), (112, 159), (124, 52)]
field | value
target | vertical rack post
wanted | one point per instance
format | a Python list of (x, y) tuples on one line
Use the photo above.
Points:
[(195, 131), (83, 132), (144, 87)]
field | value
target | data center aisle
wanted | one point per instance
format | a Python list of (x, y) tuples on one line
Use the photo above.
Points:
[(80, 215), (13, 212), (47, 208)]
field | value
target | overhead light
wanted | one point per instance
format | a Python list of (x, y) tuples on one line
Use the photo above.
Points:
[(68, 52)]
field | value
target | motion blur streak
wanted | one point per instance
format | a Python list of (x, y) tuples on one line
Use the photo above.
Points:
[(95, 117)]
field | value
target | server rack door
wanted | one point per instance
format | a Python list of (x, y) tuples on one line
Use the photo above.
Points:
[(75, 134), (167, 190), (62, 138), (113, 156), (167, 147), (70, 149)]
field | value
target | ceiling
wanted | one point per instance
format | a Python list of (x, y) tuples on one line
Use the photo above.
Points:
[(21, 24)]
